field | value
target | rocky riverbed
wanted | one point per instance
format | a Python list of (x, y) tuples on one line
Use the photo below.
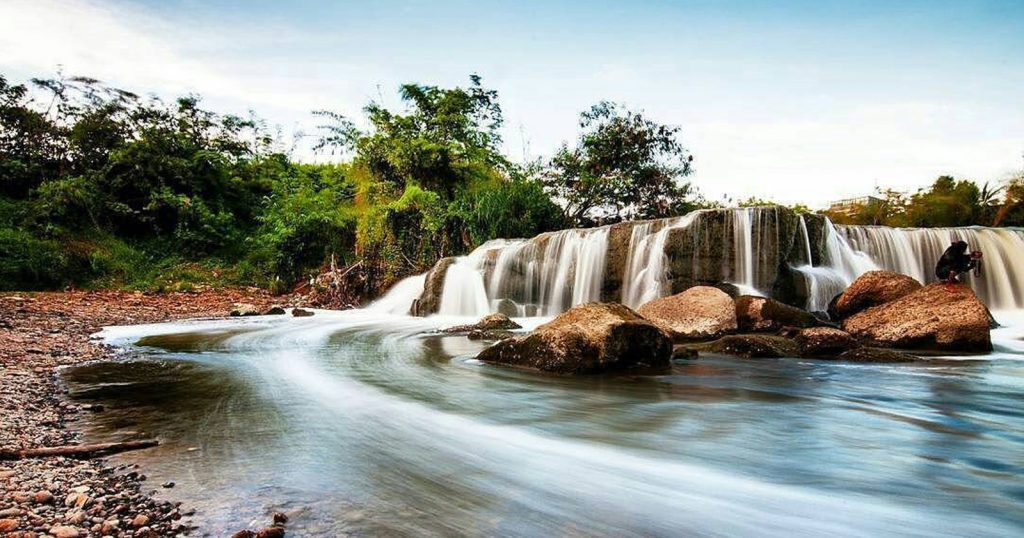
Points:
[(64, 497)]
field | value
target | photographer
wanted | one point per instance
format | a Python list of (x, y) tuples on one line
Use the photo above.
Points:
[(955, 261)]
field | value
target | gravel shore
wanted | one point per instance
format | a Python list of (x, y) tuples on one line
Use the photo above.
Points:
[(64, 497)]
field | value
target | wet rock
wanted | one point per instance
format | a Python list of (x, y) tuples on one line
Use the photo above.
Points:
[(244, 533), (824, 342), (301, 313), (244, 309), (755, 346), (697, 313), (875, 354), (508, 307), (168, 484), (489, 335), (683, 353), (587, 339), (274, 311), (762, 314), (280, 518), (270, 532), (433, 285), (490, 322), (872, 289), (935, 317)]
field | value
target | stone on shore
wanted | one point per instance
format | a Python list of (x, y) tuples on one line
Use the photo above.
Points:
[(875, 354), (301, 313), (244, 309), (873, 288), (587, 339), (698, 313), (762, 314), (936, 317)]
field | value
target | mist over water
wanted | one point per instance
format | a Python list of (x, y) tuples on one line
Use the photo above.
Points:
[(361, 424)]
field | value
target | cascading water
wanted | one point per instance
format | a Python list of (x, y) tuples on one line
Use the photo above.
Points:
[(915, 251), (749, 247)]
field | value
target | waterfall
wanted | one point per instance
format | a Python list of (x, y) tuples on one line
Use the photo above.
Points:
[(761, 250), (915, 251), (399, 297)]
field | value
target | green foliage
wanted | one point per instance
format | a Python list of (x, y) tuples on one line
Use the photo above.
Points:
[(514, 208), (624, 166)]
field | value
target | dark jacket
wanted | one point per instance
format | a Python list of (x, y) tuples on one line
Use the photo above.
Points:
[(955, 260)]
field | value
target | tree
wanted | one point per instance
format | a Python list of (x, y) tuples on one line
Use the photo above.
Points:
[(623, 166), (446, 138), (949, 202)]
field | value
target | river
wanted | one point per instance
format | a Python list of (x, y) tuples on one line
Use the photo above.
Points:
[(362, 423)]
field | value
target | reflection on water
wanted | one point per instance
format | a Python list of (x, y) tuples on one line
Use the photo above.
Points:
[(361, 424)]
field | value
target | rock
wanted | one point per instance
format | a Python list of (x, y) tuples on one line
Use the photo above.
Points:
[(140, 520), (587, 339), (935, 317), (762, 314), (874, 354), (61, 531), (489, 335), (755, 346), (280, 518), (43, 497), (699, 312), (872, 289), (301, 313), (244, 533), (168, 484), (109, 526), (10, 513), (270, 532), (508, 307), (7, 525), (683, 353), (274, 311), (490, 322), (433, 284), (78, 500), (820, 342), (244, 309)]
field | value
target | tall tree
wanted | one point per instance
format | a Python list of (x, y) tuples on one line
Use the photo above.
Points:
[(623, 166)]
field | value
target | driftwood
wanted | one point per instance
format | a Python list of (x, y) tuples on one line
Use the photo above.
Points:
[(76, 451)]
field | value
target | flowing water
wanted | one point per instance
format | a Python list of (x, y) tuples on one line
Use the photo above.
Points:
[(368, 423)]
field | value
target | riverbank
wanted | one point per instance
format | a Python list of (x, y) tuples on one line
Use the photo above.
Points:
[(64, 497)]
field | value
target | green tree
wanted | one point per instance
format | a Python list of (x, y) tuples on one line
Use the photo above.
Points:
[(623, 166)]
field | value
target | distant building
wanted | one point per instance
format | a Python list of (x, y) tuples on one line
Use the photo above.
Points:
[(851, 206)]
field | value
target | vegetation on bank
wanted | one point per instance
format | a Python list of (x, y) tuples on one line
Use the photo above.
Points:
[(101, 187)]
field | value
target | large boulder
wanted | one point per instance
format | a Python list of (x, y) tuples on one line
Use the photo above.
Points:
[(824, 342), (937, 317), (762, 314), (872, 289), (697, 313), (587, 339), (433, 285), (755, 346)]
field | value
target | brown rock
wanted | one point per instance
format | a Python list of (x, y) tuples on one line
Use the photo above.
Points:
[(43, 497), (755, 346), (699, 312), (301, 313), (7, 525), (62, 531), (761, 314), (270, 532), (824, 342), (140, 520), (937, 317), (244, 533), (490, 322), (587, 339), (875, 354), (433, 284), (872, 289), (244, 309)]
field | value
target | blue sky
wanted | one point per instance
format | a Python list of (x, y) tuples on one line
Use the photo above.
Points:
[(795, 101)]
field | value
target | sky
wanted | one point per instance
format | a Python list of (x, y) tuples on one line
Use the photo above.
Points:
[(798, 102)]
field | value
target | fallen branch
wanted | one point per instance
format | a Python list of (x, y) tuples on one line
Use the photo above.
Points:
[(76, 451)]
